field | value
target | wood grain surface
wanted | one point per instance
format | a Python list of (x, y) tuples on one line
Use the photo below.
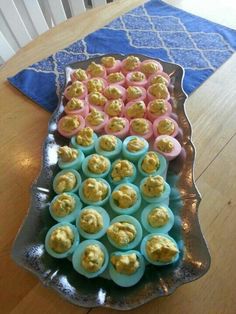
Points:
[(211, 109)]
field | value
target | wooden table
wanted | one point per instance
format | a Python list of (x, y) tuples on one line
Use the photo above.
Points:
[(211, 110)]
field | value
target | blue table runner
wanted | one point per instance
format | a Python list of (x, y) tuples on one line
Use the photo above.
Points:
[(155, 29)]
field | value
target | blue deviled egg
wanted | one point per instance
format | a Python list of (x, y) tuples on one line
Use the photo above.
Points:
[(159, 249), (67, 180), (157, 218), (153, 164), (122, 171), (61, 240), (65, 207), (84, 140), (70, 158), (155, 189), (90, 258), (134, 147), (124, 232), (92, 222), (96, 166), (126, 268), (94, 191), (108, 146), (125, 199)]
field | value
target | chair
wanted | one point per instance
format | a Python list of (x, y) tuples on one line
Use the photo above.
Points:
[(23, 20)]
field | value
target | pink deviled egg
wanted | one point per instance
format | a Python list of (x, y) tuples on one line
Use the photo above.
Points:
[(117, 126), (136, 93), (96, 84), (76, 89), (136, 78), (135, 109), (115, 91), (167, 146), (158, 91), (159, 78), (96, 100), (141, 127), (116, 78), (68, 126), (165, 126), (96, 120), (79, 75), (96, 70), (76, 106), (114, 108), (158, 108), (131, 63), (150, 67), (111, 64)]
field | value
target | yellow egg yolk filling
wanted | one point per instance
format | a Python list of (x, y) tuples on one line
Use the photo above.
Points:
[(139, 126), (74, 104), (135, 145), (95, 85), (108, 62), (136, 110), (76, 89), (91, 221), (70, 123), (97, 99), (131, 63), (153, 186), (67, 154), (133, 92), (165, 145), (108, 142), (61, 239), (158, 217), (159, 91), (166, 126), (126, 264), (121, 170), (125, 196), (65, 182), (80, 75), (115, 77), (114, 108), (63, 205), (95, 69), (95, 117), (98, 164), (150, 163), (92, 258), (85, 137), (122, 233), (116, 124), (161, 249), (94, 190)]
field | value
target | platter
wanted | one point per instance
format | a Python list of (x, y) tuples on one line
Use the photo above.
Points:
[(29, 251)]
